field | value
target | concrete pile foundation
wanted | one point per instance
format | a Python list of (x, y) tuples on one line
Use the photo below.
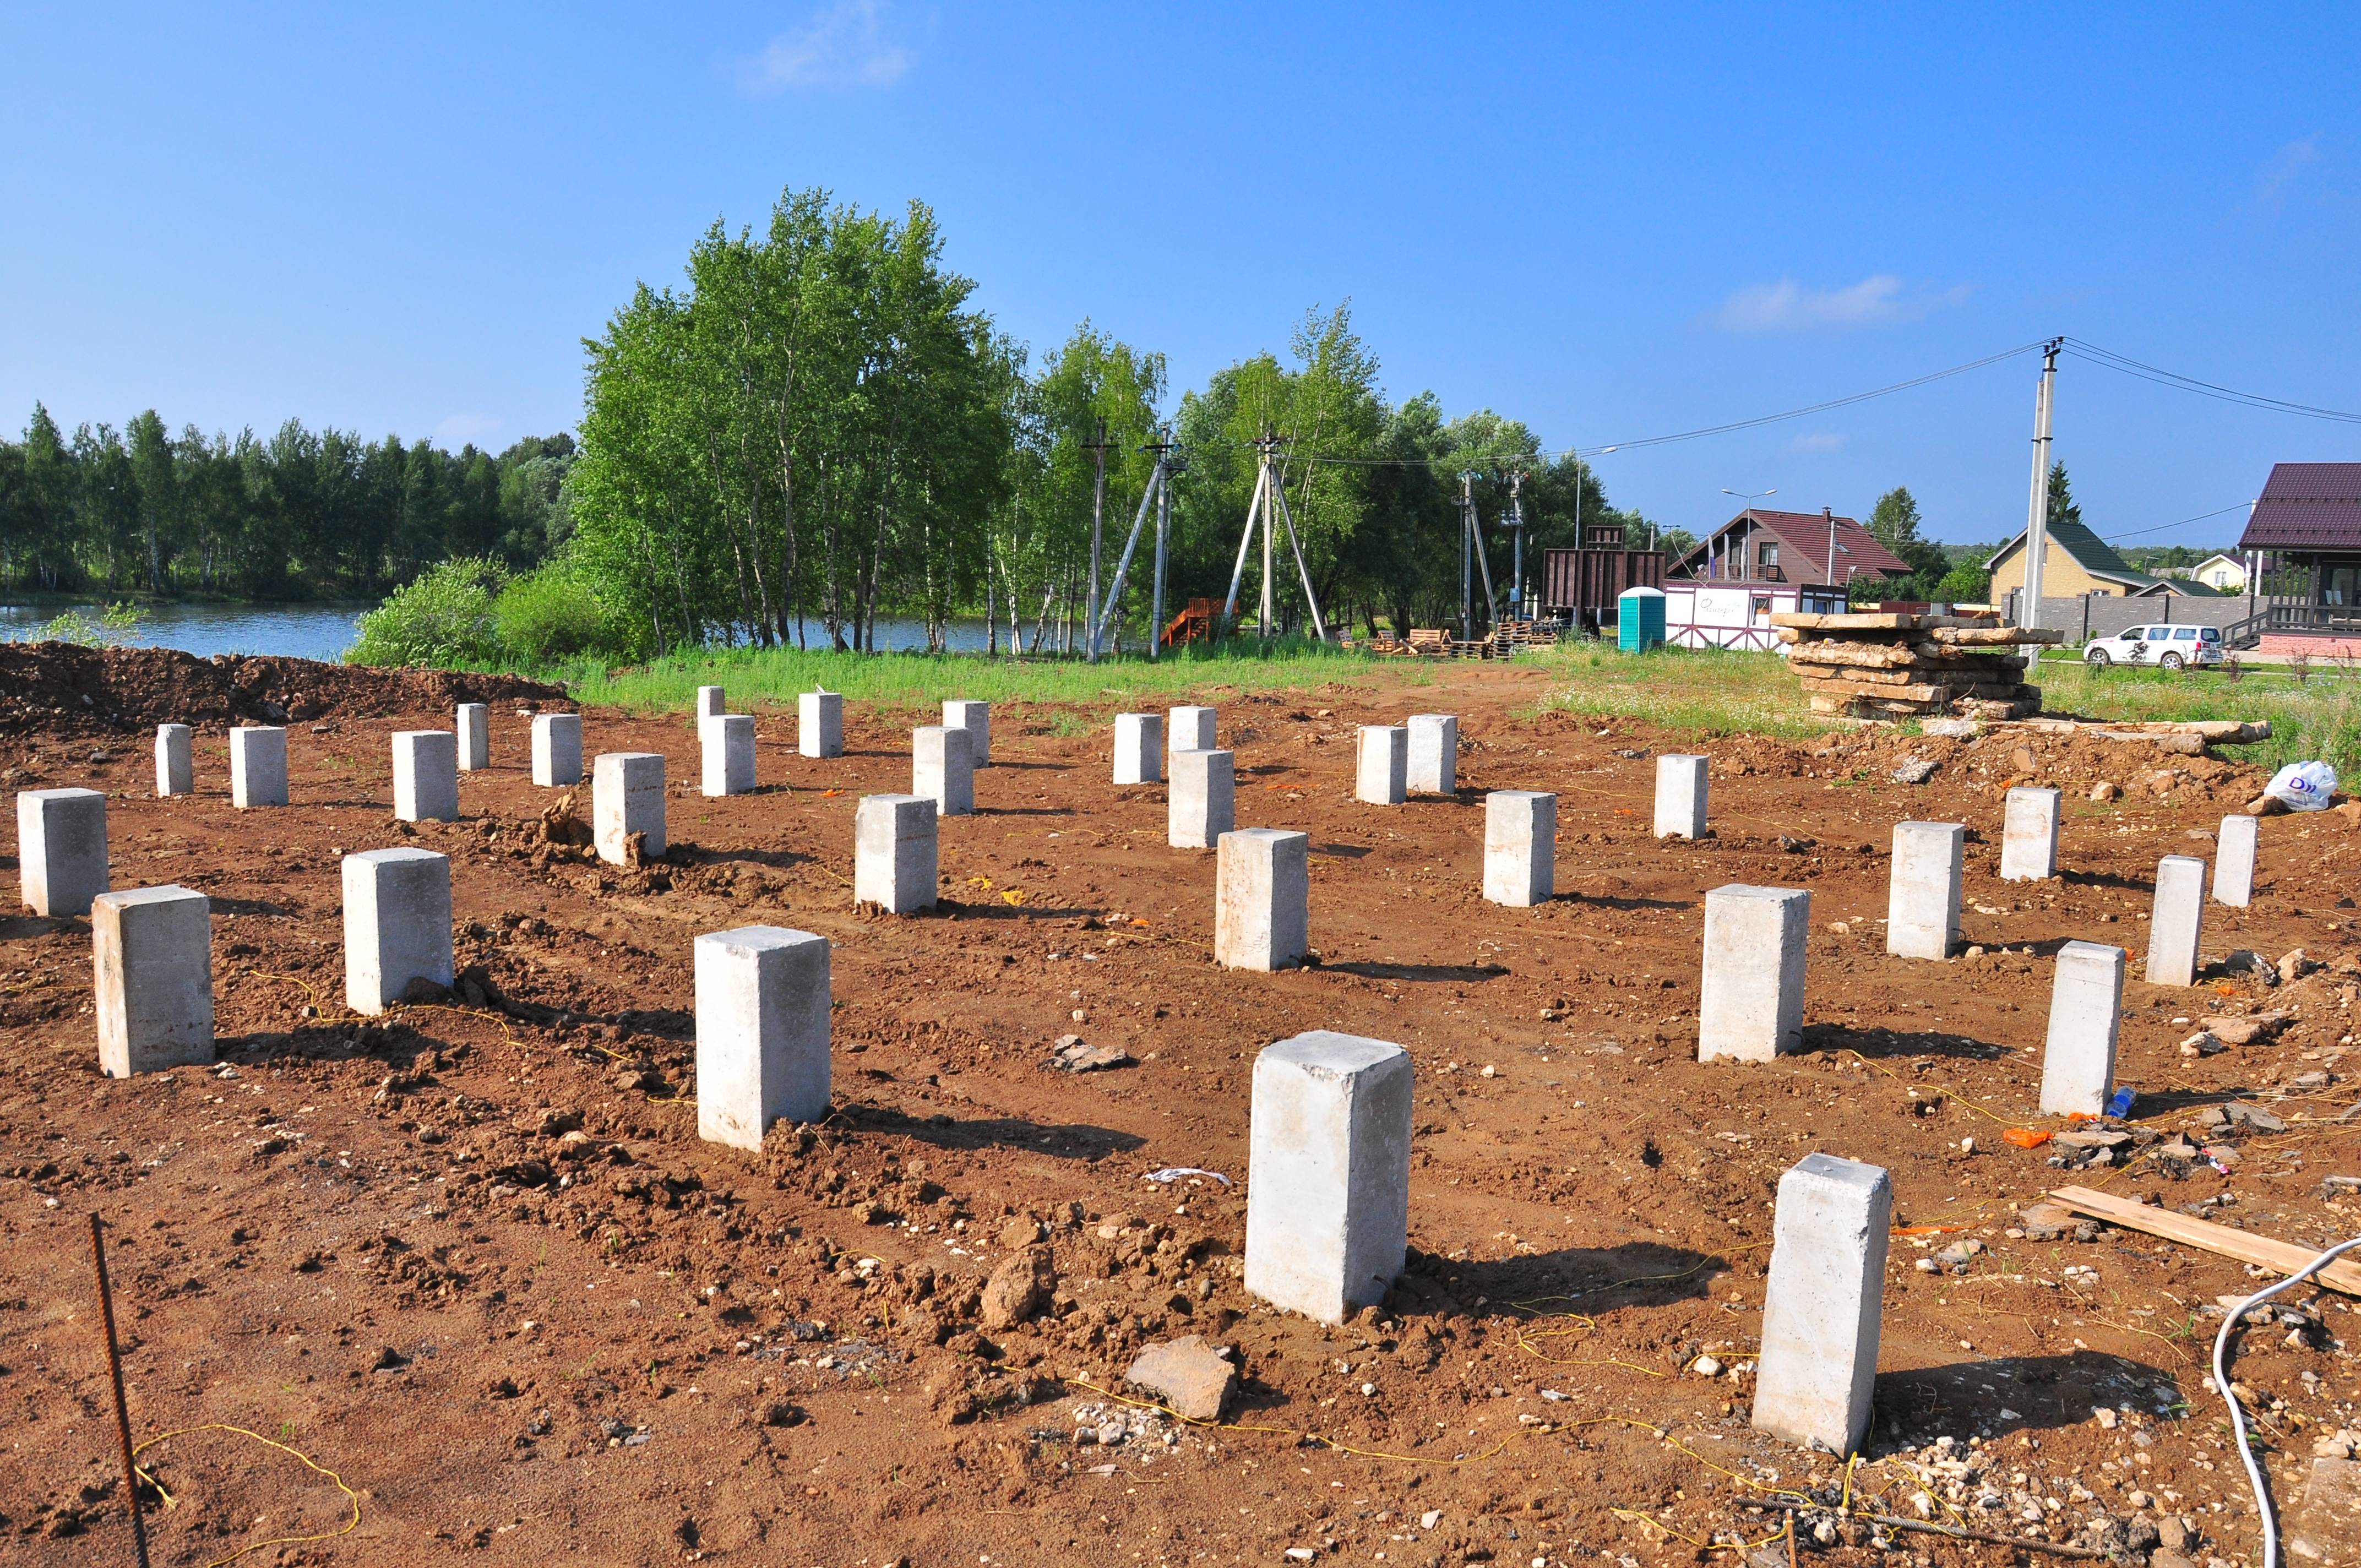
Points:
[(61, 850), (975, 717), (820, 724), (1190, 730), (943, 770), (762, 1032), (1520, 847), (1824, 1306), (1922, 889), (397, 925), (257, 766), (1680, 797), (627, 797), (557, 750), (152, 948), (1433, 764), (2233, 860), (1201, 803), (2086, 1009), (1381, 764), (728, 744), (2028, 840), (1262, 898), (1752, 1004), (1138, 748), (472, 724), (894, 844), (1328, 1173), (2175, 919), (426, 775), (175, 771)]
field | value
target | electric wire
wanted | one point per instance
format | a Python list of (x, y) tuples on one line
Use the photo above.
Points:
[(2184, 522), (2082, 349), (2238, 1415)]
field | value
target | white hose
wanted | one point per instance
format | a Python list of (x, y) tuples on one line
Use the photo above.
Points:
[(2237, 1416)]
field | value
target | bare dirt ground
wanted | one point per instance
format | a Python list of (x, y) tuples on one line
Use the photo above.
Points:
[(473, 1258)]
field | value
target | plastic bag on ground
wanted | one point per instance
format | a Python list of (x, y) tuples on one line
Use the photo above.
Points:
[(2303, 786)]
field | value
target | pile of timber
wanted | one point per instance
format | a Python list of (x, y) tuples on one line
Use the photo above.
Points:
[(1902, 665)]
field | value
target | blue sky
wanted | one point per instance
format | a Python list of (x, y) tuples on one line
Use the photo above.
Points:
[(1611, 227)]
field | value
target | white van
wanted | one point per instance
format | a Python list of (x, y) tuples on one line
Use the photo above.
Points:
[(2166, 647)]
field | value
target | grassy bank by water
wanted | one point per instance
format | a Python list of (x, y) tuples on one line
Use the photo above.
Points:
[(753, 677)]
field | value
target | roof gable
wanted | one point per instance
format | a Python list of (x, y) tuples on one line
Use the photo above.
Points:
[(1804, 547), (2090, 553), (2307, 506)]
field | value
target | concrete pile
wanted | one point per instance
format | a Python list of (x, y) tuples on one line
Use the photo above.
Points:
[(1902, 665)]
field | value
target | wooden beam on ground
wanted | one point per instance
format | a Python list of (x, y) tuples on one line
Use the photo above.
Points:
[(2281, 1257)]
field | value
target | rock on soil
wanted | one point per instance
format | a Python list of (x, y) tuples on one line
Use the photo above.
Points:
[(1073, 1053), (61, 688), (1018, 1288), (1189, 1375)]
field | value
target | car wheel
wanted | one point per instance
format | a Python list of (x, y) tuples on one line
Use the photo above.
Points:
[(2169, 661), (2097, 659)]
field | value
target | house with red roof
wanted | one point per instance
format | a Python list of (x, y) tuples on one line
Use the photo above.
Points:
[(2303, 542), (1758, 547)]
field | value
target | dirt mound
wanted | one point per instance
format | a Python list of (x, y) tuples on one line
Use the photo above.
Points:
[(60, 688)]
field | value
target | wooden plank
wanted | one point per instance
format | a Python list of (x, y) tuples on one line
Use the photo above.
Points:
[(1865, 621), (2281, 1257), (1990, 636)]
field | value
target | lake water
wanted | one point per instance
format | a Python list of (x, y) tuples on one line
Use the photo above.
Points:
[(323, 631)]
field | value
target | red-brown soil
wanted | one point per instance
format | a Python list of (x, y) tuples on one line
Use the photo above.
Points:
[(385, 1243)]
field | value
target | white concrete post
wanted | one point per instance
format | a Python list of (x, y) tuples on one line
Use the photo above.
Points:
[(426, 775), (711, 704), (60, 849), (1202, 804), (820, 724), (1262, 899), (627, 797), (2086, 1008), (2233, 860), (2028, 835), (2174, 920), (1823, 1307), (728, 743), (1922, 889), (1328, 1173), (556, 749), (1381, 764), (397, 925), (1190, 730), (153, 951), (472, 724), (1752, 1005), (1519, 847), (1434, 765), (175, 772), (942, 769), (257, 766), (894, 841), (762, 1032), (1138, 748), (975, 717), (1680, 797)]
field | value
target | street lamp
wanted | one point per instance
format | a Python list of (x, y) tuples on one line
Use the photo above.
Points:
[(1750, 498)]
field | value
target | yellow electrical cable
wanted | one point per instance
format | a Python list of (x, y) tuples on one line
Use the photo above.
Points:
[(350, 1496)]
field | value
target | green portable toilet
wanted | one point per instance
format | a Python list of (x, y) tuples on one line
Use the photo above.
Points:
[(1638, 619)]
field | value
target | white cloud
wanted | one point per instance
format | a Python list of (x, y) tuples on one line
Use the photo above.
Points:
[(844, 45), (1818, 441), (2281, 169), (458, 429), (1788, 306)]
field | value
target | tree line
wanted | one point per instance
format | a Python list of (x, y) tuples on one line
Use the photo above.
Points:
[(817, 428), (298, 514)]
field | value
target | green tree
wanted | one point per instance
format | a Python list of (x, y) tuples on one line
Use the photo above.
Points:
[(1893, 522), (2062, 505)]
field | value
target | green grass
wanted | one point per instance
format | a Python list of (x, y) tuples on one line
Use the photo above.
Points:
[(1689, 690), (2315, 719), (1713, 694), (778, 675)]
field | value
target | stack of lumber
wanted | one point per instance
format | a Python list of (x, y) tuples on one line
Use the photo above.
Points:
[(1897, 665)]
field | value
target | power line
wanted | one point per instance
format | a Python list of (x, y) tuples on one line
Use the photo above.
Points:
[(2125, 365), (1462, 460), (2160, 527)]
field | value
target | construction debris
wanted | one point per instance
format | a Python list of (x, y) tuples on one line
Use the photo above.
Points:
[(2281, 1257), (1900, 664)]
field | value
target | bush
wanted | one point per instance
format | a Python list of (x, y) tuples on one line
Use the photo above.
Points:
[(442, 617), (1964, 585), (550, 614)]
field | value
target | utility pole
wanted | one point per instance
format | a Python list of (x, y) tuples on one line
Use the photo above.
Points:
[(1165, 468), (1831, 514), (1517, 524), (1098, 450), (1467, 547), (2036, 522)]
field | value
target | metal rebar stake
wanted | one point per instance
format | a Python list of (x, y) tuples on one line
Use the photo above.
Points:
[(122, 1409)]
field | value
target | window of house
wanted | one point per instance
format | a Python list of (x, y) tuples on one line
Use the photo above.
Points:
[(2341, 585), (1767, 553)]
